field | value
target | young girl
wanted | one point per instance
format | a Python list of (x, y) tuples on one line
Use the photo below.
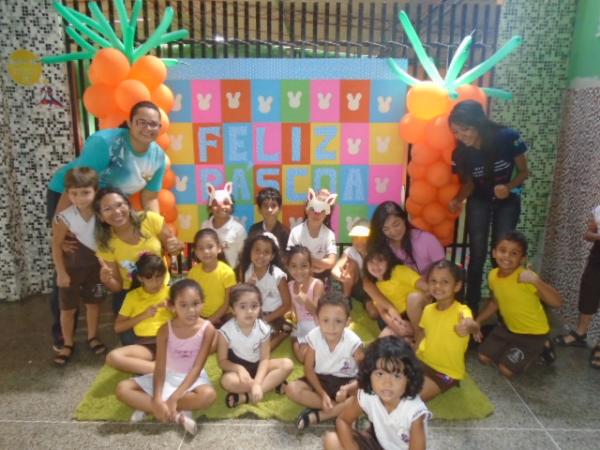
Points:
[(315, 234), (215, 277), (446, 326), (399, 285), (244, 350), (144, 310), (305, 291), (389, 380), (231, 233), (260, 265), (179, 384), (330, 364)]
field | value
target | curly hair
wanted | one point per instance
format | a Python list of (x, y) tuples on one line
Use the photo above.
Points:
[(246, 260)]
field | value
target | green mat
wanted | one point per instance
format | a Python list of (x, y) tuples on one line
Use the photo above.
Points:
[(100, 403)]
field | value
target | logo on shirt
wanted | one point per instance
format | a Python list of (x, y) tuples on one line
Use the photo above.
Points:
[(346, 367), (515, 355)]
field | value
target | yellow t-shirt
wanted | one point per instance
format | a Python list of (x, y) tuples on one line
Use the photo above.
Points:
[(403, 281), (137, 301), (442, 348), (126, 255), (213, 284), (519, 303)]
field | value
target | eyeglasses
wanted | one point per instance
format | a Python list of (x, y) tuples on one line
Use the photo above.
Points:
[(145, 124)]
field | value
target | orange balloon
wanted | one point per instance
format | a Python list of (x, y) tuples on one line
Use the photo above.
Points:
[(471, 92), (413, 208), (171, 214), (438, 133), (166, 201), (110, 66), (422, 192), (419, 222), (169, 180), (99, 99), (162, 96), (113, 121), (164, 121), (444, 228), (167, 161), (447, 154), (136, 201), (130, 92), (427, 100), (422, 154), (150, 70), (416, 171), (447, 193), (434, 213), (455, 179), (412, 129), (438, 174), (164, 141), (92, 76)]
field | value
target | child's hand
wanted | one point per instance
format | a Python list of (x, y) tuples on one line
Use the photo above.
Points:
[(70, 243), (171, 404), (63, 280), (501, 191), (245, 377), (341, 394), (401, 327), (299, 293), (106, 272), (152, 310), (160, 410), (326, 402), (256, 393), (173, 245), (253, 279), (478, 337), (462, 328), (528, 276)]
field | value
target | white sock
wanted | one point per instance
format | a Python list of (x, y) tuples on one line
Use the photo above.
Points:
[(188, 423), (137, 416)]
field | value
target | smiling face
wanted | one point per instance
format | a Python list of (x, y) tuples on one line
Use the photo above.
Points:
[(508, 255), (247, 309), (468, 135), (188, 305), (394, 228), (377, 266), (389, 383), (332, 320), (144, 127), (207, 250), (153, 283), (81, 197), (261, 254), (269, 209), (299, 267), (114, 210), (442, 285), (221, 211)]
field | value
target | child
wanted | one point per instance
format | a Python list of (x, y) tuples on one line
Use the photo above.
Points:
[(347, 271), (390, 379), (269, 203), (330, 364), (519, 295), (78, 273), (305, 291), (215, 277), (446, 326), (179, 384), (231, 233), (261, 265), (244, 351), (315, 234), (143, 310), (399, 285)]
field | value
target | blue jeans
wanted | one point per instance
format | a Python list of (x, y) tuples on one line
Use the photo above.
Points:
[(503, 216)]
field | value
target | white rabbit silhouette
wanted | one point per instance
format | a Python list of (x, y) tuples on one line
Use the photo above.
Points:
[(381, 184), (264, 104), (354, 145), (354, 101), (383, 143), (177, 103), (351, 221), (233, 101), (324, 100), (181, 184), (295, 221), (384, 104), (204, 101), (294, 99), (185, 221), (176, 142)]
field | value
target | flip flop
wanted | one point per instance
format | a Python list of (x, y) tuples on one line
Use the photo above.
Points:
[(233, 399), (303, 420), (595, 357), (579, 340), (60, 359), (96, 346)]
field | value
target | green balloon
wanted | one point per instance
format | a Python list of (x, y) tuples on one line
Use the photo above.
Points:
[(408, 79), (417, 45), (54, 59), (459, 59), (498, 93)]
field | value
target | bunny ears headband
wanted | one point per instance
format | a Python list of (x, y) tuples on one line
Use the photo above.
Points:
[(319, 204), (221, 196)]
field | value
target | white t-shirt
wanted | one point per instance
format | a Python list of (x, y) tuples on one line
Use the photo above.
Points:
[(246, 347), (232, 236), (339, 362), (268, 287), (355, 255), (83, 231), (392, 429), (319, 247)]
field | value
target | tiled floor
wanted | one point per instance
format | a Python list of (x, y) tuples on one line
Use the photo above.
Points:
[(548, 408)]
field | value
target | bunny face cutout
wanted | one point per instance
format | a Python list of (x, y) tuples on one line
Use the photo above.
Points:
[(220, 197), (320, 204)]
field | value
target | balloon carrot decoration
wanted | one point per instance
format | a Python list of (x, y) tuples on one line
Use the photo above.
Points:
[(426, 127), (122, 75)]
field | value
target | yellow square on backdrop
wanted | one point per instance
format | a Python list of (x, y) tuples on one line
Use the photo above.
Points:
[(387, 147), (296, 180), (188, 221), (325, 141), (181, 148)]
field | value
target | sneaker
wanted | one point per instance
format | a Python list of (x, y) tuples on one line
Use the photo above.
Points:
[(188, 423), (548, 355), (137, 416)]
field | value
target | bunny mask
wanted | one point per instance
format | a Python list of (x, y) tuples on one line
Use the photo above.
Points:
[(319, 205)]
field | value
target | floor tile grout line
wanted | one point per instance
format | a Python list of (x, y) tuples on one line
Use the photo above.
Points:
[(532, 414)]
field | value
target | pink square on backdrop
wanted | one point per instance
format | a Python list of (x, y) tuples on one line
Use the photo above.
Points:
[(354, 146), (206, 101), (335, 220), (385, 183), (267, 143), (325, 100), (205, 173)]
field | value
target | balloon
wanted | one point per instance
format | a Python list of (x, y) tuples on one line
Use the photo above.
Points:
[(402, 74), (150, 70), (438, 133), (470, 92), (164, 141), (427, 100), (171, 214), (130, 92), (413, 208), (162, 96), (136, 201), (169, 180), (113, 121), (166, 205), (434, 213), (164, 121), (93, 77), (447, 154), (445, 232), (498, 93), (110, 66), (416, 171), (99, 99), (419, 222), (447, 193), (412, 129), (459, 59), (422, 192), (438, 174), (422, 154)]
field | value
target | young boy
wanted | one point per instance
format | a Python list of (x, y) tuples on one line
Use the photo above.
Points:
[(269, 203), (330, 364), (519, 295), (78, 273)]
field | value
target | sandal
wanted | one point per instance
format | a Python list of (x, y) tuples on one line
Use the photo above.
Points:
[(287, 327), (595, 357), (579, 340), (61, 359), (548, 354), (233, 400), (96, 345), (303, 420)]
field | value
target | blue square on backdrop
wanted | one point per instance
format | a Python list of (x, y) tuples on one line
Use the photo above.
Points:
[(266, 100), (185, 184), (354, 185), (388, 99), (237, 138), (182, 92), (244, 214)]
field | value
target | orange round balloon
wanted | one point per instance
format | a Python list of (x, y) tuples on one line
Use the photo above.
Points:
[(92, 76), (419, 222), (170, 215), (422, 154), (110, 66), (412, 129), (416, 171), (438, 174), (150, 70), (162, 96), (438, 133), (427, 100), (447, 193), (136, 201), (166, 201), (422, 192), (413, 208), (447, 154), (444, 228), (470, 92), (164, 121), (99, 99), (434, 213), (113, 121), (130, 92), (164, 141), (169, 180)]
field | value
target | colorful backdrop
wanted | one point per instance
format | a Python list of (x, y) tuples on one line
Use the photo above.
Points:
[(288, 124)]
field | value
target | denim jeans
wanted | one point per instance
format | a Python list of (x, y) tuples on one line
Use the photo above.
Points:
[(503, 216)]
